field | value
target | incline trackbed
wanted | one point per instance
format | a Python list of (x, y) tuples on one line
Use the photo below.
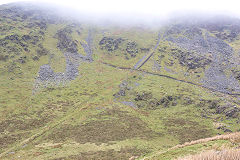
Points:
[(148, 55), (169, 77)]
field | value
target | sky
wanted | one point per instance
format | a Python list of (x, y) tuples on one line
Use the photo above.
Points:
[(147, 7)]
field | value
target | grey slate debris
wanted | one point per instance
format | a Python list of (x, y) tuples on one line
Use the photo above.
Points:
[(129, 103), (47, 77), (220, 52), (88, 47)]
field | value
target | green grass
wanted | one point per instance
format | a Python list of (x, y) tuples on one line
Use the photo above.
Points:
[(192, 149), (83, 119)]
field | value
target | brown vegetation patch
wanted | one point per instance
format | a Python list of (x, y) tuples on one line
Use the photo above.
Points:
[(9, 139), (41, 117), (111, 125), (9, 129), (186, 130), (12, 125), (123, 154)]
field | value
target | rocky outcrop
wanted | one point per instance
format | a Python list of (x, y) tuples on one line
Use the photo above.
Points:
[(110, 44), (146, 100), (13, 46), (132, 49), (123, 87), (236, 74), (190, 59), (41, 25), (65, 42), (229, 110), (41, 51), (14, 38)]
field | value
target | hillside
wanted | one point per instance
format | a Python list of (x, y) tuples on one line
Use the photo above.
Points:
[(71, 89)]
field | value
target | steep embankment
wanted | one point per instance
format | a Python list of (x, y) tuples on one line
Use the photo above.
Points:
[(218, 147)]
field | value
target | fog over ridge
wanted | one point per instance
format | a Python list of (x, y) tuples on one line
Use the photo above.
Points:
[(151, 12)]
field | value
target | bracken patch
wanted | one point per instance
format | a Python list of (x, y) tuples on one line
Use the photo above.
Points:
[(9, 139), (186, 130), (118, 126), (124, 153)]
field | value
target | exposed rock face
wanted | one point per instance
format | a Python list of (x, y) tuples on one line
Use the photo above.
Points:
[(132, 48), (13, 46), (146, 100), (190, 59), (228, 110), (224, 128), (65, 42), (41, 51), (110, 44), (143, 96), (22, 59), (41, 25)]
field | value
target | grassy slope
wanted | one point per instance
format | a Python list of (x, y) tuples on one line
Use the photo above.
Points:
[(83, 120), (76, 97)]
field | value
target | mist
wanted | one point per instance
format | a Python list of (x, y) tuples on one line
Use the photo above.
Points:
[(145, 13)]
